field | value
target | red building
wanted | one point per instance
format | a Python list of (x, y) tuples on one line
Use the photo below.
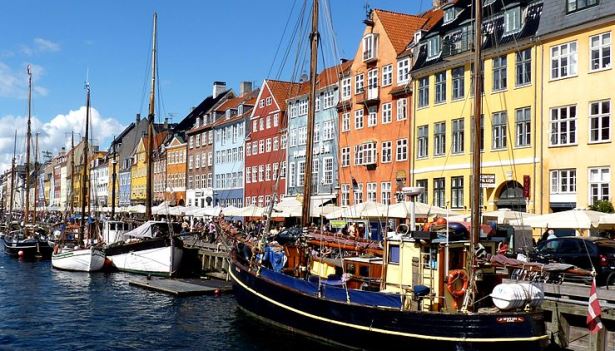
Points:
[(265, 161)]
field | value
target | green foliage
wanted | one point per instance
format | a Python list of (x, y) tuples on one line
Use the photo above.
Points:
[(602, 206)]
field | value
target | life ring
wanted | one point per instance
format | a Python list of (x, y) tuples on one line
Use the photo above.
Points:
[(453, 276)]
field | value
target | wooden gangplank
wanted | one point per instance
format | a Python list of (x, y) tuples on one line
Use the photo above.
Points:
[(183, 287)]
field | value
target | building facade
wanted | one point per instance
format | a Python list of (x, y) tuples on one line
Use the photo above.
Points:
[(175, 189)]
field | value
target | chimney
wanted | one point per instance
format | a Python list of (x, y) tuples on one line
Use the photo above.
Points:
[(219, 88), (244, 88), (138, 118), (166, 123)]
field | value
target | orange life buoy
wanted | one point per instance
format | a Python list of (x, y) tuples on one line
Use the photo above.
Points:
[(453, 276)]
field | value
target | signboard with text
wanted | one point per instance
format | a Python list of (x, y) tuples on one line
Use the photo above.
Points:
[(487, 180)]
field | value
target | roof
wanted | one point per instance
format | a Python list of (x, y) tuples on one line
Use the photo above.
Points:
[(202, 108), (281, 90), (325, 78), (158, 139), (249, 99), (399, 27)]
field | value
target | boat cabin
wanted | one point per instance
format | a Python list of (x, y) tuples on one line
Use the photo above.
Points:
[(430, 275), (113, 230)]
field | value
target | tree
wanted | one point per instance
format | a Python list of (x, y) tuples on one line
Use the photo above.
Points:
[(602, 206)]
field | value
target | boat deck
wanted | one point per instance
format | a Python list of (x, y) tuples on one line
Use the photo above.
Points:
[(183, 287)]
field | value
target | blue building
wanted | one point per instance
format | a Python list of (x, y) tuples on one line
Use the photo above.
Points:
[(229, 147), (326, 135)]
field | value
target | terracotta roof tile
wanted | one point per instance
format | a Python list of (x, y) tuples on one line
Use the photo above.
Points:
[(399, 27), (283, 90)]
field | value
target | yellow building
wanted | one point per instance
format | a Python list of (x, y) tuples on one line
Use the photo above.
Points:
[(576, 105), (442, 131), (138, 173)]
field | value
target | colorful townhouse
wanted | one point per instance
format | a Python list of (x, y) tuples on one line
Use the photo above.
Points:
[(229, 143), (576, 134), (200, 136), (99, 180), (159, 178), (375, 112), (442, 133), (138, 171), (175, 167), (326, 136), (265, 169)]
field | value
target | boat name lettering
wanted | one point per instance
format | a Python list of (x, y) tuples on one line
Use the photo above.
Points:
[(517, 319)]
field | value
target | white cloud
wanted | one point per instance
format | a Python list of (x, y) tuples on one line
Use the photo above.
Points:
[(14, 83), (39, 45), (55, 133), (44, 45)]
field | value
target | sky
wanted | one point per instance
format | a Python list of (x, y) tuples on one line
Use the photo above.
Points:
[(108, 43)]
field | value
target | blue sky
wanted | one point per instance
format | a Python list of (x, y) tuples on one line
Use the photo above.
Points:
[(199, 41)]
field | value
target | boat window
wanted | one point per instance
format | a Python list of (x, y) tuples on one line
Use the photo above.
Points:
[(111, 226), (394, 254), (350, 268), (364, 271)]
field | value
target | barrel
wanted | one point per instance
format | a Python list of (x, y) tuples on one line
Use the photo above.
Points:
[(516, 295)]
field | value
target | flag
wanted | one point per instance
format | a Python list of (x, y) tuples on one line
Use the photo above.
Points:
[(594, 324)]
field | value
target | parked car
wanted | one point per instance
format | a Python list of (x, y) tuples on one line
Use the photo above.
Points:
[(579, 251)]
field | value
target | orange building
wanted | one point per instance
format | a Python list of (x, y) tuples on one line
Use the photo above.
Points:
[(374, 110), (175, 191)]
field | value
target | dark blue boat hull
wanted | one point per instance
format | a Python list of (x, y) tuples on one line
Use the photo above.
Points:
[(30, 248), (370, 327)]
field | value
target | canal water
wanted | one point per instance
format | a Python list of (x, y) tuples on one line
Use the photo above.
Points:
[(45, 309)]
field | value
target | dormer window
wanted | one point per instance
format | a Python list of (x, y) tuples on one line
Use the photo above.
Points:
[(433, 47), (417, 36), (240, 109), (512, 20), (488, 2), (576, 5), (370, 46), (197, 123), (449, 15)]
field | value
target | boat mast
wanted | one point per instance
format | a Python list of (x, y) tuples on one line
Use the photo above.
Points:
[(113, 178), (72, 172), (35, 177), (28, 136), (476, 162), (150, 128), (307, 183), (12, 178), (84, 165)]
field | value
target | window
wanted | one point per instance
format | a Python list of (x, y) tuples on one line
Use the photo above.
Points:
[(268, 101), (575, 5), (254, 148), (345, 195), (402, 109), (327, 130), (403, 71), (394, 256), (276, 119), (345, 157), (275, 168), (346, 90), (302, 135), (457, 192), (564, 60), (498, 124), (599, 121), (370, 46), (458, 82), (600, 51), (523, 127), (358, 154), (283, 141), (499, 73), (439, 139), (358, 194), (371, 191), (372, 117), (563, 125), (300, 173), (433, 47), (268, 172), (458, 130), (564, 181), (449, 15), (512, 20), (291, 174), (276, 144), (524, 67), (599, 180), (268, 145), (385, 192), (369, 153), (423, 92), (261, 146), (315, 171), (261, 124), (358, 83), (345, 122), (197, 141), (358, 119), (268, 121), (387, 151), (328, 99), (327, 176), (191, 141), (440, 87), (422, 142), (261, 171), (438, 192), (387, 113), (387, 75), (402, 150), (422, 197)]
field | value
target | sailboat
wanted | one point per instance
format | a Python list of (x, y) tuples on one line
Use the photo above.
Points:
[(401, 311), (79, 255), (29, 241), (151, 248)]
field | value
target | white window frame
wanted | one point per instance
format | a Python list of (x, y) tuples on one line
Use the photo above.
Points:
[(599, 49), (402, 109), (345, 121), (401, 150), (570, 58), (387, 113), (603, 120), (403, 71), (557, 185), (599, 184), (386, 152), (556, 126), (387, 75), (358, 119), (345, 156)]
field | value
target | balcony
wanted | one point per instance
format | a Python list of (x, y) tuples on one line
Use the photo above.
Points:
[(369, 97)]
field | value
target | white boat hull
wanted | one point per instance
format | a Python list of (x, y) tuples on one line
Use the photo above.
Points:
[(81, 260), (157, 261)]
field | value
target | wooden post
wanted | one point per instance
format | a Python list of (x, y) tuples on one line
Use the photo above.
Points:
[(597, 342), (559, 327)]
